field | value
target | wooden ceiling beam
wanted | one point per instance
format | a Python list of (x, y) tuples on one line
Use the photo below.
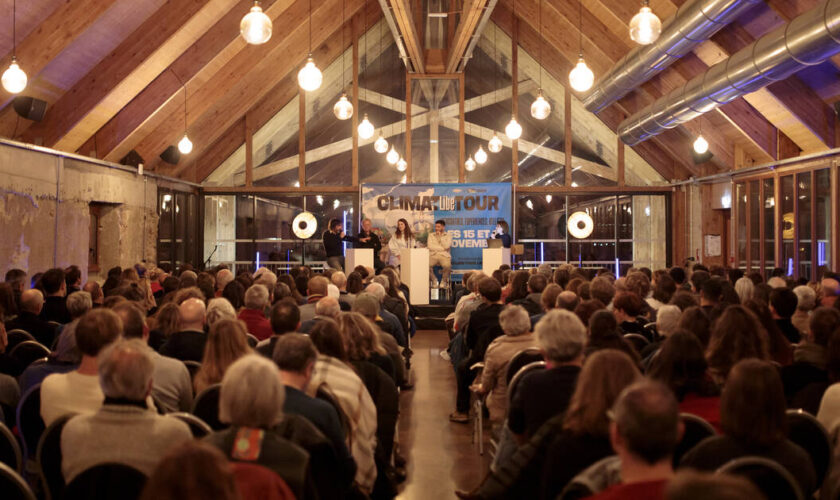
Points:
[(51, 37), (470, 19), (212, 51), (231, 92), (404, 18), (125, 72)]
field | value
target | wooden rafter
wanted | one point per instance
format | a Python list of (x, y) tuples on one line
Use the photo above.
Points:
[(404, 18), (470, 19)]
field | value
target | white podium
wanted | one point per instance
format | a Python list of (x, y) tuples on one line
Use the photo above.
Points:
[(493, 258), (357, 257), (414, 272)]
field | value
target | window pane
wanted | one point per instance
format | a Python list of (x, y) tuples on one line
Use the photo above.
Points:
[(804, 223), (755, 230), (788, 225), (822, 209), (741, 200), (769, 207)]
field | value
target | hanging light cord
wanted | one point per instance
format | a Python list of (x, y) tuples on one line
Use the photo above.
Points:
[(14, 29), (185, 97), (580, 26), (310, 28), (343, 20), (541, 45)]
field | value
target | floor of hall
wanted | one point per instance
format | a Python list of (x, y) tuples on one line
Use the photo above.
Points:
[(441, 456)]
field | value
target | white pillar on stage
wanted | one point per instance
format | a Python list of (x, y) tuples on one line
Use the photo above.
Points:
[(357, 257), (493, 258), (414, 272)]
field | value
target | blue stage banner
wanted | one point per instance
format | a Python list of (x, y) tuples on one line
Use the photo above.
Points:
[(471, 212)]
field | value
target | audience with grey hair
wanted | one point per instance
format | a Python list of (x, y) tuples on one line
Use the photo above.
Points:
[(339, 279), (744, 287), (252, 394), (32, 300), (668, 319), (545, 270), (267, 279), (223, 277), (329, 307), (806, 298), (218, 309), (377, 290), (646, 417), (561, 336), (78, 303), (382, 280), (777, 282), (256, 297), (126, 369), (514, 321)]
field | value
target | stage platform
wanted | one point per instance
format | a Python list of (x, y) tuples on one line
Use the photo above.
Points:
[(431, 317)]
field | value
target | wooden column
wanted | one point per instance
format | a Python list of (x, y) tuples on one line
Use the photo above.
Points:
[(302, 138), (748, 225), (567, 126), (777, 215), (814, 239), (355, 97), (795, 227), (249, 150), (514, 104), (408, 172), (762, 257), (461, 139), (834, 238), (620, 173)]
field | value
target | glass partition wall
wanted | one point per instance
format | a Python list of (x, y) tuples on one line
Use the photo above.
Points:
[(783, 221)]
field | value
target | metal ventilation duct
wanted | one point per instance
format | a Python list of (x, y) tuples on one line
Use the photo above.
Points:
[(807, 40), (695, 22)]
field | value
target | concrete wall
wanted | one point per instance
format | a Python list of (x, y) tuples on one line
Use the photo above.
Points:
[(45, 213)]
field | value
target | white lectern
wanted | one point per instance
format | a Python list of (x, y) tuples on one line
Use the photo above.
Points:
[(414, 272), (494, 258), (357, 257)]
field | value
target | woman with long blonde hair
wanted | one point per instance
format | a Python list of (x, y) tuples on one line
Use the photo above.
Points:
[(226, 343), (361, 341)]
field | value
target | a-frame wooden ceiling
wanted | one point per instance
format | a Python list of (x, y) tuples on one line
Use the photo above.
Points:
[(113, 72)]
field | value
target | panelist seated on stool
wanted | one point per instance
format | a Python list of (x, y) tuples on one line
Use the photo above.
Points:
[(439, 244)]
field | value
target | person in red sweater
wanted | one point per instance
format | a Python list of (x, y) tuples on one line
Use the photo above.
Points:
[(256, 300), (644, 432)]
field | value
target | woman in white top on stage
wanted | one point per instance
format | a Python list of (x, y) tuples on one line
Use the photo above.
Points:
[(401, 239)]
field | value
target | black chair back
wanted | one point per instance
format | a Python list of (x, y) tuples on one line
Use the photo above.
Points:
[(17, 336), (13, 486), (511, 389), (638, 341), (520, 359), (776, 482), (323, 394), (29, 422), (809, 433), (106, 482), (28, 351), (198, 427), (9, 449), (206, 407), (696, 429), (48, 457), (192, 367)]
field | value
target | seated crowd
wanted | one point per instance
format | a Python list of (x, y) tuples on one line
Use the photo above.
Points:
[(306, 369), (597, 385), (593, 385)]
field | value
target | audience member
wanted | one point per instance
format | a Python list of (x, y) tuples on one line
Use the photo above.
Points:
[(251, 401), (783, 303), (28, 318), (226, 342), (752, 413), (218, 309), (533, 301), (544, 393), (483, 328), (171, 386), (736, 335), (326, 308), (663, 290), (64, 358), (603, 290), (123, 430), (603, 333), (285, 318), (234, 292), (192, 470), (316, 289), (78, 391), (187, 344), (256, 300), (806, 301), (806, 379), (744, 288), (644, 432), (55, 291), (395, 323), (627, 308), (517, 337), (830, 290), (692, 485), (223, 278)]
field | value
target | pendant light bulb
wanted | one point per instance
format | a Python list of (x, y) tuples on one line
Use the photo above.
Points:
[(513, 129), (581, 77), (540, 108), (310, 77), (645, 26), (481, 156), (701, 145), (381, 146), (185, 145), (495, 144), (255, 26), (392, 157), (469, 164), (14, 79), (343, 108), (366, 128), (402, 165)]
